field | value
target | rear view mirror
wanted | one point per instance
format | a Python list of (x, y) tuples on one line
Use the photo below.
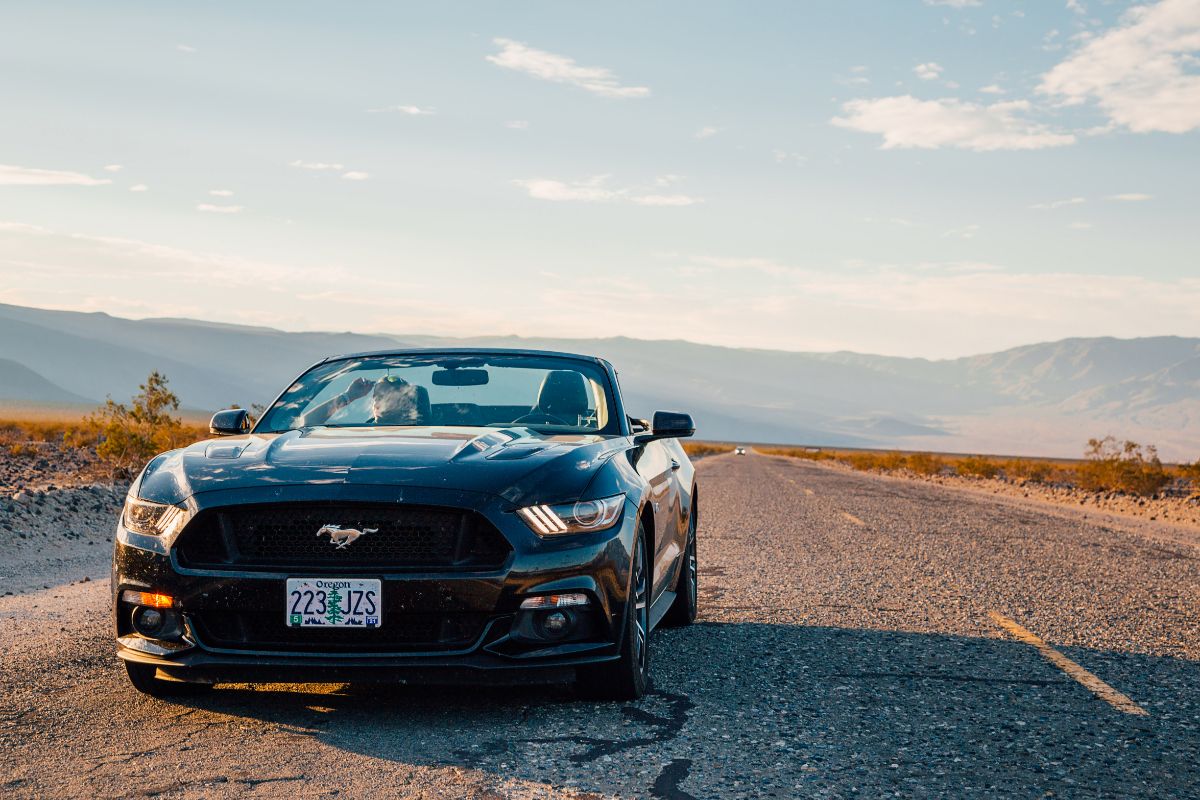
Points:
[(460, 377), (668, 425), (230, 422)]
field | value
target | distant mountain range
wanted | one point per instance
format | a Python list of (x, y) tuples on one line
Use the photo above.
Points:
[(1039, 399)]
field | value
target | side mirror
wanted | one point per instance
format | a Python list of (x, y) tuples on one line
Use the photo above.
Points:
[(668, 425), (230, 422)]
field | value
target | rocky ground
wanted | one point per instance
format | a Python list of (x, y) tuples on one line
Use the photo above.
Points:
[(56, 535), (45, 465)]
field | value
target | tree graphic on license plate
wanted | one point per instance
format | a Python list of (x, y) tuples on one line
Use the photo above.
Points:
[(334, 603)]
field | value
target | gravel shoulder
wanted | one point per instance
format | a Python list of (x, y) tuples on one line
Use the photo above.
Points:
[(844, 649), (57, 535)]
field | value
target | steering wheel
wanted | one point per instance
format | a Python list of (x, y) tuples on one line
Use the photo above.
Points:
[(538, 417)]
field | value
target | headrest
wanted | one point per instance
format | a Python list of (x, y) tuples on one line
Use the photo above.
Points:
[(563, 394)]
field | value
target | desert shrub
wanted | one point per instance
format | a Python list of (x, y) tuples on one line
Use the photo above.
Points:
[(978, 466), (1024, 469), (127, 436), (24, 431), (884, 462), (925, 464), (18, 449), (1121, 467), (1191, 472), (863, 461)]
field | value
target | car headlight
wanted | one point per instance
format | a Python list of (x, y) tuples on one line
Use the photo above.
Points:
[(584, 516), (152, 519)]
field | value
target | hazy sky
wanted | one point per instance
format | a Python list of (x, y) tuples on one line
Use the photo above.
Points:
[(913, 177)]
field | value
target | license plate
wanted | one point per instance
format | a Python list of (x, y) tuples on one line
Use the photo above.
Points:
[(333, 603)]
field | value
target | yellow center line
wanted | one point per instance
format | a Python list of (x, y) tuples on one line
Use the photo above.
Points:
[(853, 518), (1089, 681)]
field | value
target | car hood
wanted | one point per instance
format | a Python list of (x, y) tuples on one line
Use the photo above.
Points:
[(516, 463)]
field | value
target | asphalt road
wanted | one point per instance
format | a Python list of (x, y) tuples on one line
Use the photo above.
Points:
[(851, 644)]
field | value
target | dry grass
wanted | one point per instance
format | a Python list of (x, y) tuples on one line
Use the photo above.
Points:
[(19, 437)]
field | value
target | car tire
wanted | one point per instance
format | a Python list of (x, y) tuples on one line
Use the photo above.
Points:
[(687, 591), (142, 678), (628, 677)]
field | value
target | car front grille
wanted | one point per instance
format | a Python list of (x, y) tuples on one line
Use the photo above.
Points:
[(266, 630), (284, 537)]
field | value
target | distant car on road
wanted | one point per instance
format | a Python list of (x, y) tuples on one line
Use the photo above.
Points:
[(739, 451), (428, 516)]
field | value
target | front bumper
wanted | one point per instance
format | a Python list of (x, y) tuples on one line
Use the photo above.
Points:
[(497, 649)]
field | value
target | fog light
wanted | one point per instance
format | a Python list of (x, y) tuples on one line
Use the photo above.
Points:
[(556, 624), (148, 621)]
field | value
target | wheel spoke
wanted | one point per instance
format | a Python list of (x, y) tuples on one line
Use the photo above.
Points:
[(641, 598)]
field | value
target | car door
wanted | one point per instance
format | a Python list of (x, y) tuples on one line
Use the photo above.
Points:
[(659, 466)]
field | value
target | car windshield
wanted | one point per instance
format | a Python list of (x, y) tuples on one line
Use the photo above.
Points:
[(548, 393)]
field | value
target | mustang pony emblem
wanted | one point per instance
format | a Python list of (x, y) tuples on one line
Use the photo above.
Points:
[(343, 536)]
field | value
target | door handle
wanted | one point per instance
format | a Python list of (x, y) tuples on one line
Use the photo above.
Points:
[(675, 464)]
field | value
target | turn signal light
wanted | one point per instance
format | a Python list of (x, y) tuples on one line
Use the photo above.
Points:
[(151, 599), (555, 601)]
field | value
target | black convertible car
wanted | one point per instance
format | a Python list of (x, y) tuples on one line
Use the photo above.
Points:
[(446, 516)]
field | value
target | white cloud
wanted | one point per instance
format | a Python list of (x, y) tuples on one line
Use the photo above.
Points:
[(139, 187), (185, 48), (211, 209), (929, 71), (965, 232), (954, 3), (1140, 73), (1131, 197), (412, 111), (317, 165), (1080, 226), (113, 167), (596, 190), (517, 124), (1076, 6), (561, 69), (112, 260), (857, 77), (707, 132), (221, 192), (767, 266), (906, 122), (904, 308), (27, 176), (323, 166), (665, 200), (786, 157), (1050, 206), (591, 190), (992, 88)]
